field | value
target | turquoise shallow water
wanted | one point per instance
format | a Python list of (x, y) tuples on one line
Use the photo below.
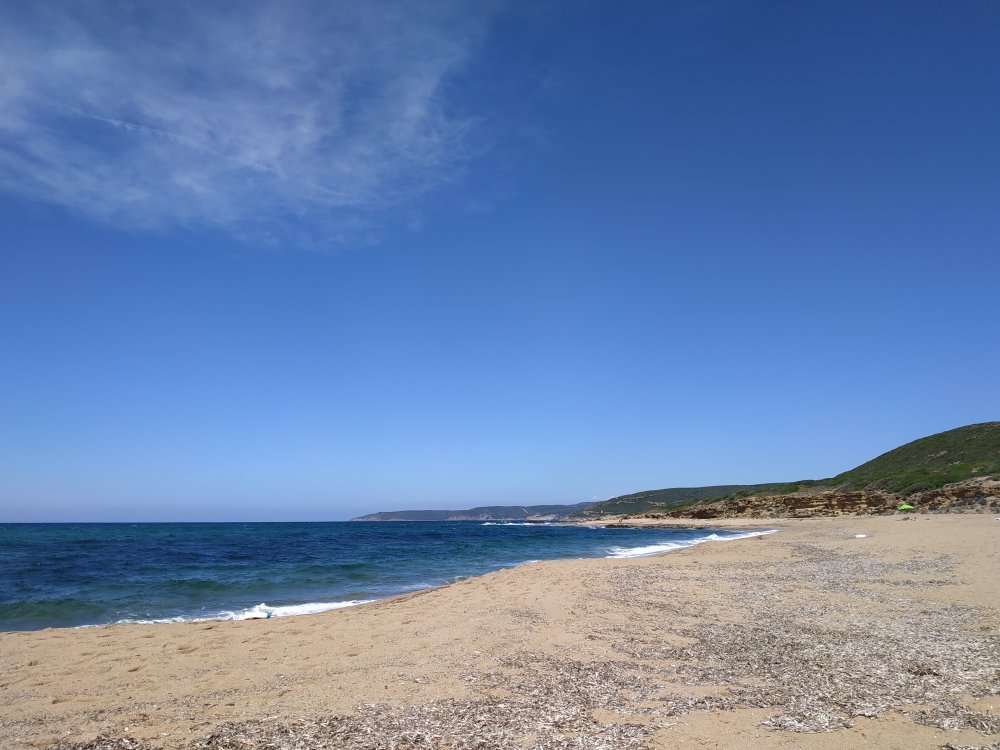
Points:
[(55, 575)]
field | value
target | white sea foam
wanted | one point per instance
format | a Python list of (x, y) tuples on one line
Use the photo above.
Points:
[(510, 523), (291, 610), (652, 549), (260, 612)]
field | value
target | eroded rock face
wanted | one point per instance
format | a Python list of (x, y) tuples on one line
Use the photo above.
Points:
[(973, 496)]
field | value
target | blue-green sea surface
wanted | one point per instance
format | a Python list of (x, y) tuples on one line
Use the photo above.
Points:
[(58, 575)]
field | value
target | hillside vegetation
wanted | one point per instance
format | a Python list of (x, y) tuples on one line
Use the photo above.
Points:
[(929, 463), (926, 464), (639, 502)]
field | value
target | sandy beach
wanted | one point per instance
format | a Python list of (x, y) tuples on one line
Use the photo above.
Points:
[(814, 637)]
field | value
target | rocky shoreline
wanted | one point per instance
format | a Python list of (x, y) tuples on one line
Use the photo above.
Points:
[(980, 495)]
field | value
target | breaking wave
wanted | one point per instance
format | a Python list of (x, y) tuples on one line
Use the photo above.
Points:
[(652, 549)]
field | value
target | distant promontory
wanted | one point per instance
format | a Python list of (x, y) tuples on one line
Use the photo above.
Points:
[(953, 471), (538, 513)]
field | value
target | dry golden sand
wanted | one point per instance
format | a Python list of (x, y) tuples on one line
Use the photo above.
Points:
[(811, 638)]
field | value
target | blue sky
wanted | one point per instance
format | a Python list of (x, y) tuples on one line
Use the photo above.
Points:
[(266, 261)]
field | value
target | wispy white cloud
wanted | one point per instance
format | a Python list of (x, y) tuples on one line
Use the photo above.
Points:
[(246, 116)]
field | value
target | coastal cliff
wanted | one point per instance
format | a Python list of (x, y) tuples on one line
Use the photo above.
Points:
[(953, 471), (972, 496)]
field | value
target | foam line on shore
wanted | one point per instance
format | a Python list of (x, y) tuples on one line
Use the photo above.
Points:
[(652, 549), (259, 612)]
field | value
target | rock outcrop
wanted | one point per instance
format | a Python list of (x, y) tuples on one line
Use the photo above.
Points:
[(972, 496)]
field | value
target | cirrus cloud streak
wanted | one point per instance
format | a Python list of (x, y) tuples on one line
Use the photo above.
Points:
[(252, 117)]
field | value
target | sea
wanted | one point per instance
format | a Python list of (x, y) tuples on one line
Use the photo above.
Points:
[(78, 575)]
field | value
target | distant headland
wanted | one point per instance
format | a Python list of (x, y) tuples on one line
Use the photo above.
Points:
[(953, 471), (537, 513)]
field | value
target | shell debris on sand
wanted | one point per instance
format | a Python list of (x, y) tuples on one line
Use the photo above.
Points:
[(822, 663)]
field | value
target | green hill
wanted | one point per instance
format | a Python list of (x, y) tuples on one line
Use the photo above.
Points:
[(928, 463), (639, 502)]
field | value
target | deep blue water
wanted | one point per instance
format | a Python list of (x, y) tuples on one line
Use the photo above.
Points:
[(56, 575)]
